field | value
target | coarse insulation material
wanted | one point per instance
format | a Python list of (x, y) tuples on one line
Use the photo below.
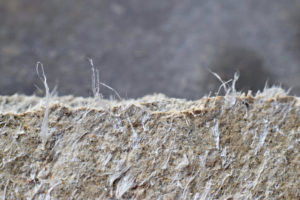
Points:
[(237, 146)]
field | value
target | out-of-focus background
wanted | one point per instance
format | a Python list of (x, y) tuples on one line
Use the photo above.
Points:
[(142, 47)]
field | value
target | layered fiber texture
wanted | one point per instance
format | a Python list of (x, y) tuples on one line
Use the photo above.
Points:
[(232, 147)]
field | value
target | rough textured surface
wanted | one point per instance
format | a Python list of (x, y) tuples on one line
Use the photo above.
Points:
[(233, 147)]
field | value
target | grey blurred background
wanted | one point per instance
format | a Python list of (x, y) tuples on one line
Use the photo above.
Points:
[(142, 47)]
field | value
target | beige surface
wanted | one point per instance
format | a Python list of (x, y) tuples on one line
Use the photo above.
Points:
[(232, 147)]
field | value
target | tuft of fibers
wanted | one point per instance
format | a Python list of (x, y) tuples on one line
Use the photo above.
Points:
[(44, 128)]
